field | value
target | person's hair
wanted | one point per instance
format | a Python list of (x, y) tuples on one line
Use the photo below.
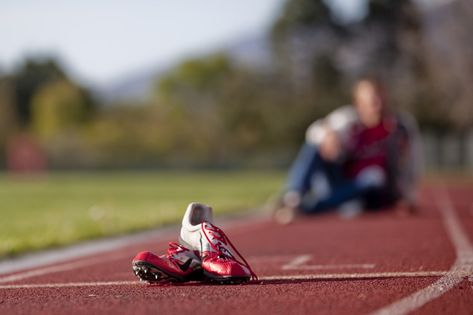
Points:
[(374, 81)]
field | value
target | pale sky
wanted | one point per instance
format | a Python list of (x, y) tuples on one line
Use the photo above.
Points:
[(102, 40)]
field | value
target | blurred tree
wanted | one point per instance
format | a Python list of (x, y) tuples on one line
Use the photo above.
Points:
[(401, 55), (195, 81), (8, 120), (306, 39), (220, 111), (304, 30), (298, 14), (190, 94), (449, 62), (387, 22), (59, 106), (121, 135), (31, 75)]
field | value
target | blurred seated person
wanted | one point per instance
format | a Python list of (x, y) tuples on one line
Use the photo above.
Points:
[(359, 157)]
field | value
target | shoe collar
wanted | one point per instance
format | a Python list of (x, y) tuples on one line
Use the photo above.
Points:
[(196, 213)]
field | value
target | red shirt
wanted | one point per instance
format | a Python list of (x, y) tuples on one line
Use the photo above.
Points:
[(368, 147)]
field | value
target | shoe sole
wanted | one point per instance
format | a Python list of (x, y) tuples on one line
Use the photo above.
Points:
[(150, 273), (225, 279)]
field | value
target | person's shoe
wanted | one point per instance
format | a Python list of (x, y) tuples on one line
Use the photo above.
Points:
[(285, 210), (180, 264), (284, 215), (292, 199), (219, 262), (350, 209)]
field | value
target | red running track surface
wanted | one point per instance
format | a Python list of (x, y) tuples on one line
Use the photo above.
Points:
[(378, 262)]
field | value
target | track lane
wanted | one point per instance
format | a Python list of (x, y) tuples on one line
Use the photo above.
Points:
[(385, 240)]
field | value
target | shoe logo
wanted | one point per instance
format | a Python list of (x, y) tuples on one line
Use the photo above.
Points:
[(185, 265)]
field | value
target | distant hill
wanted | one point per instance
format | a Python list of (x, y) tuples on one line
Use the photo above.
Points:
[(253, 51), (136, 86)]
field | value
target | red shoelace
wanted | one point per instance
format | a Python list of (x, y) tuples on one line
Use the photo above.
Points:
[(175, 248), (221, 237)]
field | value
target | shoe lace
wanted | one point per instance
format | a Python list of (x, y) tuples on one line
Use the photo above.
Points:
[(217, 234), (173, 249)]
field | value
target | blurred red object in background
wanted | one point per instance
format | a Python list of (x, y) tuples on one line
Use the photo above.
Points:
[(24, 155)]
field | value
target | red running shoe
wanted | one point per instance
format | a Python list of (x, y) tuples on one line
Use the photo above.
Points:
[(219, 262), (178, 265)]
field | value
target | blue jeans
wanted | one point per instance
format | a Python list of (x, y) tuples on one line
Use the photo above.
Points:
[(310, 164)]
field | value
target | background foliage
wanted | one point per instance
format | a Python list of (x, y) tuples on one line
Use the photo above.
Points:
[(214, 111)]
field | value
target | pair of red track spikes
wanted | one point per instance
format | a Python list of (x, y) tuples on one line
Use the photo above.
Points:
[(204, 254)]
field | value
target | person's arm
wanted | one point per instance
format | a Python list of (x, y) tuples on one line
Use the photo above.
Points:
[(330, 134), (411, 161)]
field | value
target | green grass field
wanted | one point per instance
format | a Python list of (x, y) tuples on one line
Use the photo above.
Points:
[(63, 208)]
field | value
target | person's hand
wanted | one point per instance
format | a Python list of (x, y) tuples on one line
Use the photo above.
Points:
[(330, 147)]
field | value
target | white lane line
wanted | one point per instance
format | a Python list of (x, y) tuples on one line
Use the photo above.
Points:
[(84, 250), (334, 276), (367, 275), (298, 263), (267, 258), (68, 285), (295, 264), (58, 268), (330, 266), (461, 269), (66, 266)]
